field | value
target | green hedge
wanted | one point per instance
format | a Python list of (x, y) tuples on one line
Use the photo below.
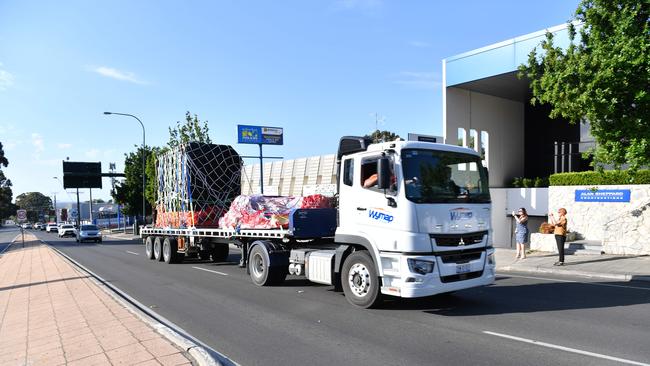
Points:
[(609, 177)]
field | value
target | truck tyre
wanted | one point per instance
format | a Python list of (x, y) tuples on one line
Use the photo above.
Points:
[(261, 273), (170, 250), (204, 255), (157, 249), (148, 247), (220, 253), (360, 281)]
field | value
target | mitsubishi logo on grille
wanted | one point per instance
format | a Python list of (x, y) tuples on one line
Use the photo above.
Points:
[(461, 242)]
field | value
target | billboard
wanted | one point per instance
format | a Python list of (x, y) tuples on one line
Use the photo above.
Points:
[(82, 175), (259, 135)]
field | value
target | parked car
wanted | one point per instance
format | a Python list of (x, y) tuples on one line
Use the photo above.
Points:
[(51, 228), (89, 232), (66, 230)]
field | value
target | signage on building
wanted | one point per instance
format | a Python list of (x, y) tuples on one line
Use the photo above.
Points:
[(259, 135), (602, 195)]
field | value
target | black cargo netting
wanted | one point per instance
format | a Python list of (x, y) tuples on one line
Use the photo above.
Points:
[(196, 184)]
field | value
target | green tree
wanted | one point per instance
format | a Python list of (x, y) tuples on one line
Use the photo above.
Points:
[(129, 191), (36, 204), (191, 130), (602, 77), (6, 195), (382, 136)]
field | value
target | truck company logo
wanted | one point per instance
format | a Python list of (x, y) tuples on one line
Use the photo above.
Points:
[(380, 216), (460, 213)]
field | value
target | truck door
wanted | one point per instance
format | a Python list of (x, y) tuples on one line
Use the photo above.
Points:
[(372, 204)]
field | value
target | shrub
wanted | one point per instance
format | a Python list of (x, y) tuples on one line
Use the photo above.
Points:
[(520, 182), (609, 177)]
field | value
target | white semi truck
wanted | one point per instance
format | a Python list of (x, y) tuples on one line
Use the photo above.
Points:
[(412, 220)]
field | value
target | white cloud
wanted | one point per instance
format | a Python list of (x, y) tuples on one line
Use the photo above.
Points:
[(64, 146), (419, 80), (6, 79), (419, 44), (11, 145), (112, 73), (38, 143)]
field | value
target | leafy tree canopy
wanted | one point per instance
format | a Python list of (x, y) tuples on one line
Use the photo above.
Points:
[(6, 195), (382, 136), (36, 204), (129, 191), (603, 77), (191, 130)]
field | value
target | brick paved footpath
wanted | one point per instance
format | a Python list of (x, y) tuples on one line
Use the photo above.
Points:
[(52, 314)]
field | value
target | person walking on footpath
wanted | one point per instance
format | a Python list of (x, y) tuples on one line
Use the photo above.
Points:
[(560, 232), (521, 232)]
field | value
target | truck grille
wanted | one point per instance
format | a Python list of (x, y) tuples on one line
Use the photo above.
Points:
[(461, 277), (460, 258), (455, 240)]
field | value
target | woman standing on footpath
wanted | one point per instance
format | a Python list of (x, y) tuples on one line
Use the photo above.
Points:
[(521, 232), (560, 233)]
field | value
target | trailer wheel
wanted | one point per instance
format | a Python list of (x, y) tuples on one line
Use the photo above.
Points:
[(204, 255), (157, 249), (220, 253), (261, 273), (148, 247), (170, 250), (360, 281)]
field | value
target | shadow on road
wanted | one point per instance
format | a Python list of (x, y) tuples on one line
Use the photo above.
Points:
[(528, 298)]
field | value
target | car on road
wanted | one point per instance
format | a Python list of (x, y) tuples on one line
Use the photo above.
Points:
[(26, 226), (51, 228), (89, 232), (36, 226), (66, 230)]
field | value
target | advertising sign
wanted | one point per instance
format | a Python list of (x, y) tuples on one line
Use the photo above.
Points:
[(82, 175), (259, 135), (602, 195)]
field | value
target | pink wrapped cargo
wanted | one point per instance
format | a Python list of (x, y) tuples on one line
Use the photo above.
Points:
[(262, 212)]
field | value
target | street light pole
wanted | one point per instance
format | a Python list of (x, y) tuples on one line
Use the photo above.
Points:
[(144, 213)]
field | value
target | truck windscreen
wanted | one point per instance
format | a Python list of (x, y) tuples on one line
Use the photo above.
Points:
[(444, 177)]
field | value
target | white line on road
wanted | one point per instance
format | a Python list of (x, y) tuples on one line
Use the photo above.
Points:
[(132, 253), (567, 349), (586, 283), (209, 270)]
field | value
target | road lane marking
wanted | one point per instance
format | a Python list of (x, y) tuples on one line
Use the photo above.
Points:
[(209, 270), (586, 283), (567, 349), (132, 252)]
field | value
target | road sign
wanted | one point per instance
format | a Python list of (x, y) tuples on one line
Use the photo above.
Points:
[(82, 175), (21, 215), (259, 135)]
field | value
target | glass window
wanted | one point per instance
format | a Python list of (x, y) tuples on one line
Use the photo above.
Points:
[(369, 175), (439, 177), (348, 172)]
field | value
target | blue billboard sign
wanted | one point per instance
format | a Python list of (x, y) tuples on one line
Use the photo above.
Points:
[(259, 135), (602, 195)]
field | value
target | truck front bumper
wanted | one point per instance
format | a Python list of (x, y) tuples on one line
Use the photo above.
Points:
[(399, 280)]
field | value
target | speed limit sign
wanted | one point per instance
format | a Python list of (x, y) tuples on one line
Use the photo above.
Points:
[(21, 215)]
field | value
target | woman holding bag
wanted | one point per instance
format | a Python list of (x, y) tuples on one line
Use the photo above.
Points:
[(560, 232)]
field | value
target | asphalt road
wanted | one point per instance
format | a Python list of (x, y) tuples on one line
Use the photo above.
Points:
[(521, 320), (7, 234)]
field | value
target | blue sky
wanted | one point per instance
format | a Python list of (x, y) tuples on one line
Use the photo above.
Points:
[(320, 69)]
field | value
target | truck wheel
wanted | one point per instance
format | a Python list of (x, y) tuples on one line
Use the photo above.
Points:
[(261, 273), (220, 253), (157, 249), (204, 255), (148, 247), (170, 250), (360, 281)]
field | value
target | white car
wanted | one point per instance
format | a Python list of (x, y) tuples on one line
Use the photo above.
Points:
[(51, 228), (66, 230), (89, 232)]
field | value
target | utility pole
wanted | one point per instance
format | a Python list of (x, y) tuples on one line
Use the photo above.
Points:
[(78, 211)]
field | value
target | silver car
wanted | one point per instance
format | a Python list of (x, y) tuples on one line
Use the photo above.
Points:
[(89, 232)]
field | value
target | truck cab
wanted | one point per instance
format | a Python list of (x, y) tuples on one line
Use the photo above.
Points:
[(421, 211)]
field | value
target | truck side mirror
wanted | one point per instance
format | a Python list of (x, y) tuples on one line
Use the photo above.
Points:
[(383, 173)]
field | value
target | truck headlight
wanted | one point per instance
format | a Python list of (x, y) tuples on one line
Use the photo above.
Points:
[(491, 260), (419, 266)]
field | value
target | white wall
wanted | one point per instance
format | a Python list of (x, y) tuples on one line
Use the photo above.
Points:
[(500, 220), (502, 118)]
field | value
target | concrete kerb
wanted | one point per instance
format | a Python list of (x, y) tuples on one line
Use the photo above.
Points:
[(201, 353), (568, 272)]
